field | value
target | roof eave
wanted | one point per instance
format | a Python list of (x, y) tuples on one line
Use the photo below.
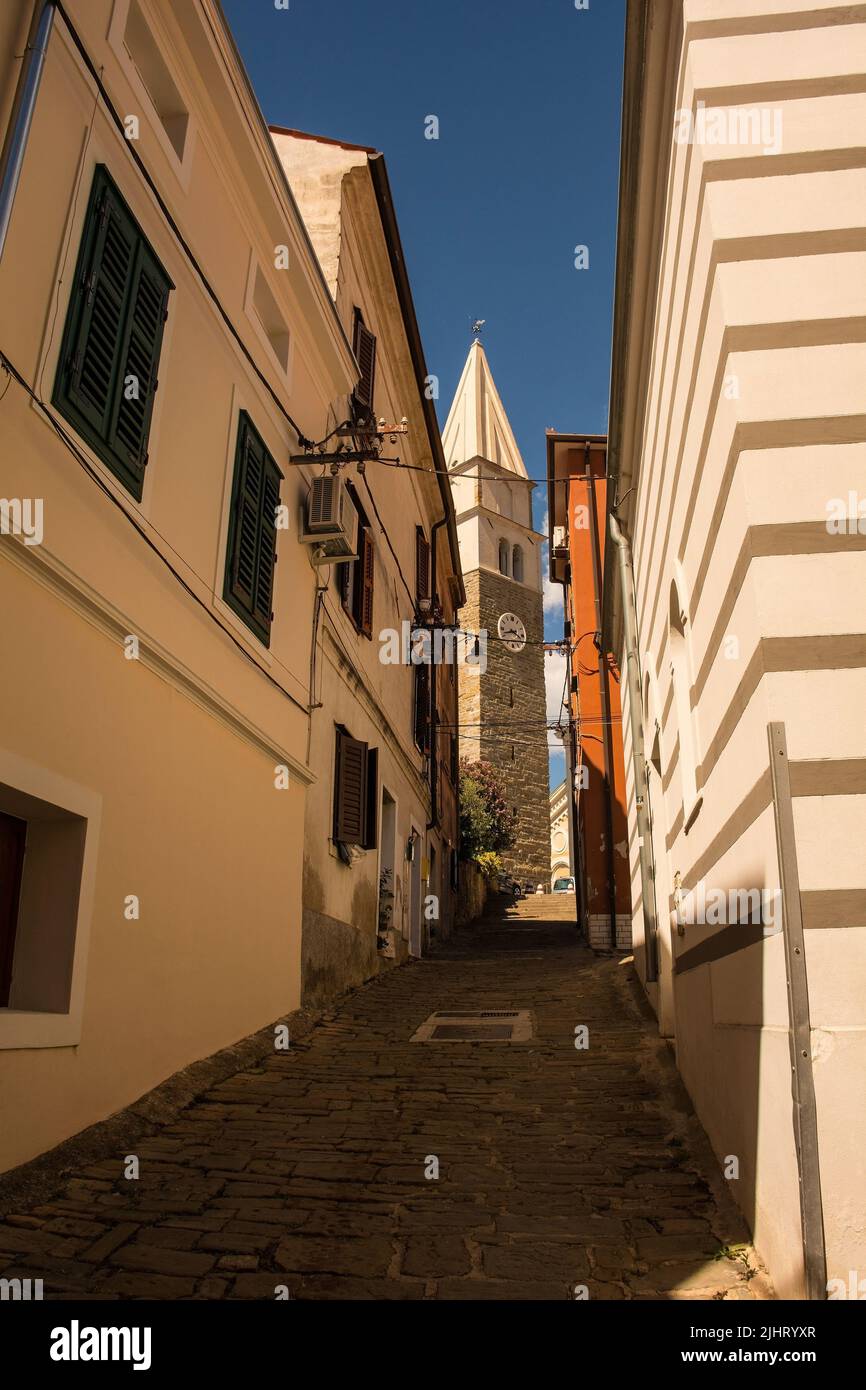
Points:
[(385, 202)]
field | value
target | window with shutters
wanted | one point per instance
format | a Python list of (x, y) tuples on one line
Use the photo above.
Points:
[(356, 791), (252, 537), (422, 565), (364, 346), (107, 369), (356, 578)]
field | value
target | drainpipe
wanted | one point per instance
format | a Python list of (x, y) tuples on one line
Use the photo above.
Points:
[(21, 116), (635, 715), (570, 743)]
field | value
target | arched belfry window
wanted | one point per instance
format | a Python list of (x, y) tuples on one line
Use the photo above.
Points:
[(503, 557), (517, 564), (678, 645)]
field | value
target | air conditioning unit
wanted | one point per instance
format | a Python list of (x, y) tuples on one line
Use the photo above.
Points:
[(330, 521)]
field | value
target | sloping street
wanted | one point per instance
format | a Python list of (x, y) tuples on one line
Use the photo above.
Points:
[(563, 1172)]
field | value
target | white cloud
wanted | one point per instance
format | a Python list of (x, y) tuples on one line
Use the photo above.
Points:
[(555, 686), (552, 596), (552, 592)]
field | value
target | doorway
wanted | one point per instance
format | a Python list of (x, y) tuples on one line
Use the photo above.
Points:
[(388, 906)]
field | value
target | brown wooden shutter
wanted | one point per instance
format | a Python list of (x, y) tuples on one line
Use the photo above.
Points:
[(371, 836), (366, 572), (350, 793), (365, 352), (422, 707), (422, 564)]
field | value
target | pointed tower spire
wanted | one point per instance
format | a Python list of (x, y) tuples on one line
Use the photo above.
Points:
[(477, 426)]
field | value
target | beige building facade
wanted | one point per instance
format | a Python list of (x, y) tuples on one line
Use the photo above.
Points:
[(170, 342), (390, 897), (738, 469), (560, 838)]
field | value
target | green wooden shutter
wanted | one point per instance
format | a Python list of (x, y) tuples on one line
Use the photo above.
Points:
[(103, 289), (114, 326), (139, 356), (253, 531), (267, 557), (365, 352)]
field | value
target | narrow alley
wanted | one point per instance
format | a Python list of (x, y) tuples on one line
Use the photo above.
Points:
[(563, 1171)]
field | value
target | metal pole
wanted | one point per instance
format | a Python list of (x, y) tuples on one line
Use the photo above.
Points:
[(21, 116), (799, 1025), (635, 716)]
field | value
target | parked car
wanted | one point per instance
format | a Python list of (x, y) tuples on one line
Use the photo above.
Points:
[(563, 885)]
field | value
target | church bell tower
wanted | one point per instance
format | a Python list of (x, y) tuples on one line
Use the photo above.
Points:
[(502, 709)]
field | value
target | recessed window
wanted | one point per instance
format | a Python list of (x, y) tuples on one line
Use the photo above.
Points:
[(145, 53), (517, 564), (503, 557), (41, 857), (271, 320)]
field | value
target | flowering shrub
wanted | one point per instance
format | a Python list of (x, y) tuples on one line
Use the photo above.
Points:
[(487, 824)]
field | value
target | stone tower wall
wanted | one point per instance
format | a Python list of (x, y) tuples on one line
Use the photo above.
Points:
[(502, 714)]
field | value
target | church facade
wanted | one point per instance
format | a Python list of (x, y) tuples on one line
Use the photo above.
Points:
[(502, 705)]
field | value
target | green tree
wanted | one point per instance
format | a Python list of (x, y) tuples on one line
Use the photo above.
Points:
[(487, 824)]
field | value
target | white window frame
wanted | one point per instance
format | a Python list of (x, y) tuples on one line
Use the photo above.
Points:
[(23, 1029)]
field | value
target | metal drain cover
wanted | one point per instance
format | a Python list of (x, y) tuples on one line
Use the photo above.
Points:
[(476, 1025), (474, 1013), (472, 1032)]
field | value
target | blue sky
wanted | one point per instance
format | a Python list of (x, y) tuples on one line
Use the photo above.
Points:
[(527, 96)]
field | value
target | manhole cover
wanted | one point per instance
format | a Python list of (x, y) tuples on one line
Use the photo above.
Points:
[(476, 1025)]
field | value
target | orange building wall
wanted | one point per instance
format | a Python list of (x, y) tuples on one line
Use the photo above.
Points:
[(596, 694)]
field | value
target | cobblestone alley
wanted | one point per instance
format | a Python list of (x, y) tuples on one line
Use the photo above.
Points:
[(562, 1172)]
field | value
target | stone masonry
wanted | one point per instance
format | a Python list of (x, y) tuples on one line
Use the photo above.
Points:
[(502, 713)]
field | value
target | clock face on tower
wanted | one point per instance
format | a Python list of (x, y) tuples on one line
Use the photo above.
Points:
[(512, 632)]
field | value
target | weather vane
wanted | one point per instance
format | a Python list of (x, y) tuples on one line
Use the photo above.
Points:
[(477, 327)]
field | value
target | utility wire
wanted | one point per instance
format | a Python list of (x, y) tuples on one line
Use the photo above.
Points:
[(476, 477), (134, 523)]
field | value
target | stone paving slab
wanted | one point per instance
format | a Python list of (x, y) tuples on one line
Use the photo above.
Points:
[(362, 1166)]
